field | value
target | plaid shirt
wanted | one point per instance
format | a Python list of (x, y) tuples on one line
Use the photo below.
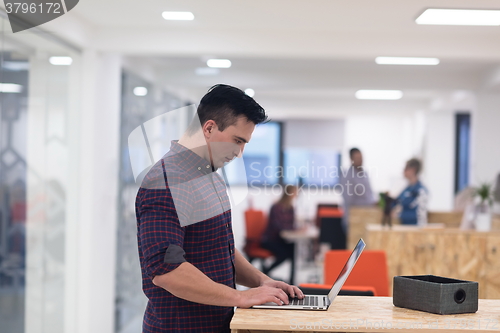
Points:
[(183, 203)]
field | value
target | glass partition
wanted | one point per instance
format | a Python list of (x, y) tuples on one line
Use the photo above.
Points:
[(142, 103), (38, 162)]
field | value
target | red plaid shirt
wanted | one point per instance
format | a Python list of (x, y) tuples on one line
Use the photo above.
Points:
[(183, 203)]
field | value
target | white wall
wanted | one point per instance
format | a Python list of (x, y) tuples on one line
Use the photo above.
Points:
[(386, 142), (439, 160), (314, 134), (439, 147), (486, 139), (98, 190)]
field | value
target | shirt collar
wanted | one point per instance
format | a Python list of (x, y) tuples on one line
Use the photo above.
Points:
[(191, 161)]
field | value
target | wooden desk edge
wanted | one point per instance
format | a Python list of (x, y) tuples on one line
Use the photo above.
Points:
[(488, 314)]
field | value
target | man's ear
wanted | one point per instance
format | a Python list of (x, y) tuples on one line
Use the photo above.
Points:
[(209, 127)]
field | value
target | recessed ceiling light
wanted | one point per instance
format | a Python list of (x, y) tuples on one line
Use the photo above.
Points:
[(379, 94), (61, 61), (219, 63), (178, 16), (206, 71), (460, 17), (10, 88), (406, 61), (140, 91), (250, 92)]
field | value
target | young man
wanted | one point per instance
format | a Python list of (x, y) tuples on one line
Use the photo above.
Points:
[(188, 260), (356, 186)]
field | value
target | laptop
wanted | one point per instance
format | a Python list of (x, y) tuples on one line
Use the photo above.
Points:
[(320, 302)]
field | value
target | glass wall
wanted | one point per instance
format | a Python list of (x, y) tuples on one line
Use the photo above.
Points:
[(151, 111), (38, 159)]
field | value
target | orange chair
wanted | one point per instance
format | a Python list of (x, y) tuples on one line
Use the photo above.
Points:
[(370, 271), (329, 222), (327, 210), (255, 223), (319, 289)]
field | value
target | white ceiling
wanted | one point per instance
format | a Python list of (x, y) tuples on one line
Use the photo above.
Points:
[(296, 54), (289, 28)]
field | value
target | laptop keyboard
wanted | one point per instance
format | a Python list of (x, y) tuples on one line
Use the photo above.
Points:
[(307, 300)]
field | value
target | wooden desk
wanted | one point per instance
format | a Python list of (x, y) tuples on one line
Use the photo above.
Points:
[(366, 314)]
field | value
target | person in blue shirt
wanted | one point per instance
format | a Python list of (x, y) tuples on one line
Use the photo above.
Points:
[(413, 199)]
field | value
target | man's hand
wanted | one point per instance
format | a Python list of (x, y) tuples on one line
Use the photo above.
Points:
[(264, 289), (293, 291), (270, 291), (261, 295)]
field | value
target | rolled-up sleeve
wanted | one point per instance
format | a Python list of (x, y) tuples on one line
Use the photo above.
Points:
[(160, 235)]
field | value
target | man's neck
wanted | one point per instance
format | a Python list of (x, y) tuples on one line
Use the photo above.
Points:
[(196, 143), (413, 181)]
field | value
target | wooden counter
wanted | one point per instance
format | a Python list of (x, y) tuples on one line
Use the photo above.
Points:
[(366, 314), (467, 255), (361, 216)]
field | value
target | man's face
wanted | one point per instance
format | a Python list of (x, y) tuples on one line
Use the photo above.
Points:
[(409, 173), (357, 159), (225, 145)]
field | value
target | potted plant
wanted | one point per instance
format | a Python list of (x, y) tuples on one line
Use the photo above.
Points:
[(484, 199)]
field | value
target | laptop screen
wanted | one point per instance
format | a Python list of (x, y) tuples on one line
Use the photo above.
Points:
[(344, 273)]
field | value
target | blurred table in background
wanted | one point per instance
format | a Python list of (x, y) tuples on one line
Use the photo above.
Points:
[(448, 252), (309, 232), (304, 239)]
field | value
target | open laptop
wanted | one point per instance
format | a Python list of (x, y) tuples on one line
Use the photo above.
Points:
[(321, 302)]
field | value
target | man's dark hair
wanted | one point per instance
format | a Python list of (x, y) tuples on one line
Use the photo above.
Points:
[(224, 104), (414, 164), (352, 151)]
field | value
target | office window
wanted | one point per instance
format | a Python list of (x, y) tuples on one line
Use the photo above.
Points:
[(318, 167), (261, 158), (462, 144)]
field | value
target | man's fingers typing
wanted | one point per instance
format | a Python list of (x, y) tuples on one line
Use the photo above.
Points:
[(298, 292), (283, 296)]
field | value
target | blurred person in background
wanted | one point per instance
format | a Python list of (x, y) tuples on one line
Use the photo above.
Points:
[(281, 217), (413, 199), (356, 186)]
